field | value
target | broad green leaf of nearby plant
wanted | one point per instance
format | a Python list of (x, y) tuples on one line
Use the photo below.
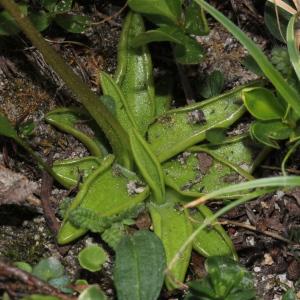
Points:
[(73, 23), (110, 190), (212, 85), (148, 165), (195, 20), (93, 292), (288, 93), (8, 26), (92, 258), (158, 11), (49, 4), (263, 104), (162, 34), (173, 228), (186, 49), (268, 132), (48, 268), (289, 295), (292, 45), (41, 20), (139, 267), (226, 280), (276, 23), (62, 6), (189, 53)]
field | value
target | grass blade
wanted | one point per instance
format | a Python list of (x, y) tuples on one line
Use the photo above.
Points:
[(271, 182)]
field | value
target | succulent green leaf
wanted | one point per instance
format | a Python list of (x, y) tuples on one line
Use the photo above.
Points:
[(48, 268), (68, 120), (181, 128), (205, 168), (121, 107), (212, 241), (92, 258), (72, 23), (134, 73), (212, 85), (173, 228), (148, 165), (158, 11), (93, 292), (216, 135), (139, 267), (267, 132), (110, 190), (195, 20), (72, 171), (225, 280), (263, 104)]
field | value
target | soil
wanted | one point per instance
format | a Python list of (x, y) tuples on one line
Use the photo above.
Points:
[(29, 89)]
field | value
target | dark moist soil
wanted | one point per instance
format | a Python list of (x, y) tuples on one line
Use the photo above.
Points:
[(29, 89)]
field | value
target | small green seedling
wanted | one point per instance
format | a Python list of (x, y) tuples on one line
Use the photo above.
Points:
[(92, 258)]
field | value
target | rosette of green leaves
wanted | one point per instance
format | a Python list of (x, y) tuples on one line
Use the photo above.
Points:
[(226, 280)]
